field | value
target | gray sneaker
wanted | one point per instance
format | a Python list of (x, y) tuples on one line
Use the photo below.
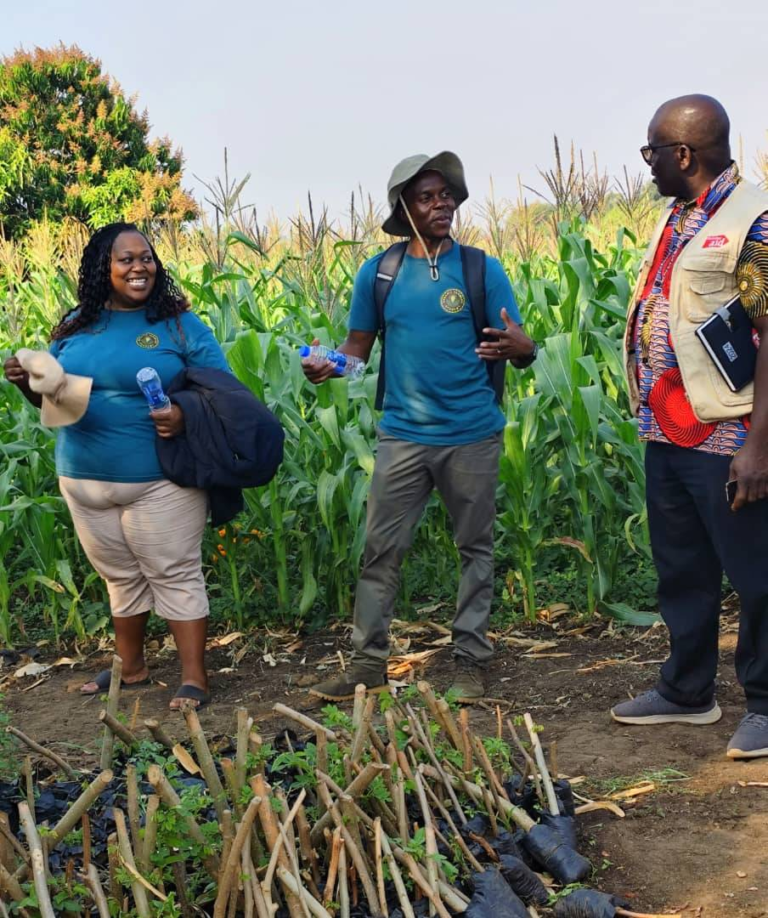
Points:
[(372, 674), (652, 708), (750, 741)]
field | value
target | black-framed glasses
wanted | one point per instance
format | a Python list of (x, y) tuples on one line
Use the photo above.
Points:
[(650, 148)]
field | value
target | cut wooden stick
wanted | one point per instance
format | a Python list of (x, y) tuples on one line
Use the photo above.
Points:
[(92, 881), (416, 725), (333, 866), (452, 897), (353, 850), (343, 883), (132, 794), (180, 880), (150, 834), (39, 872), (230, 870), (531, 765), (126, 855), (230, 780), (274, 840), (244, 724), (205, 759), (11, 885), (409, 862), (11, 839), (113, 705), (75, 813), (380, 868), (626, 914), (252, 880), (541, 762), (305, 721), (158, 733), (358, 705), (313, 906), (451, 726), (308, 853), (168, 795), (118, 730), (457, 836), (30, 785), (46, 753), (354, 789), (430, 842), (360, 739), (397, 878), (518, 815)]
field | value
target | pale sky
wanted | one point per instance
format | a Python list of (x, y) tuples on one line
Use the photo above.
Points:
[(326, 96)]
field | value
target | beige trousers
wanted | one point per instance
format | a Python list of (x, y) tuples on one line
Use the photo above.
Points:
[(144, 539)]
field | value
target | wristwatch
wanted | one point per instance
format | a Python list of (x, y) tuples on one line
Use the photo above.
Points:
[(527, 361)]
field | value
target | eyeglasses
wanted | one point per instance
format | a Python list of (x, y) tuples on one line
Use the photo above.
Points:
[(649, 149)]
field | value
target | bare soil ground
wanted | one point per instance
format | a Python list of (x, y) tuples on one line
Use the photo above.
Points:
[(697, 844)]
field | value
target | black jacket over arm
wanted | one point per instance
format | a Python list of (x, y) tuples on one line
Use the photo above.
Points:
[(231, 440)]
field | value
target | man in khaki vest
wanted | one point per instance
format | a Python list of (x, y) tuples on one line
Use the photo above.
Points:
[(710, 246)]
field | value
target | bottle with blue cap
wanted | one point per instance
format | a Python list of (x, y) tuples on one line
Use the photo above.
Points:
[(346, 364), (149, 382)]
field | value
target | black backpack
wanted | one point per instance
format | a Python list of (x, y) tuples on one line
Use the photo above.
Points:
[(473, 266)]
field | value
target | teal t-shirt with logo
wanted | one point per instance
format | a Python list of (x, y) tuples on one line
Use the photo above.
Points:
[(438, 391), (115, 438)]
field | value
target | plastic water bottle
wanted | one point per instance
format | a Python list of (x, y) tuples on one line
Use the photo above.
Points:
[(346, 364), (150, 385)]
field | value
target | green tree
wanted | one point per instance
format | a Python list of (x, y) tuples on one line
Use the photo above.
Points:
[(73, 145)]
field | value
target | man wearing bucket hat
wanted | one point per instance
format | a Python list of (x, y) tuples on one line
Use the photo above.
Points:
[(450, 322)]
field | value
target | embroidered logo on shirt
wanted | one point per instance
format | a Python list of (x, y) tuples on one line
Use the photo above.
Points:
[(148, 340), (715, 242), (453, 300)]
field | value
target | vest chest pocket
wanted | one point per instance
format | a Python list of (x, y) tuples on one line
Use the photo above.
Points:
[(708, 282)]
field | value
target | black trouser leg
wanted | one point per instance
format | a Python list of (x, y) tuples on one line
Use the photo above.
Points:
[(690, 578), (695, 536)]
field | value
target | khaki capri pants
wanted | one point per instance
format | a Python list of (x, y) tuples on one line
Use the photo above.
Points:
[(144, 539)]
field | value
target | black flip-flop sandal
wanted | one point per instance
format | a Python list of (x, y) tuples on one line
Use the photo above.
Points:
[(104, 678), (193, 693)]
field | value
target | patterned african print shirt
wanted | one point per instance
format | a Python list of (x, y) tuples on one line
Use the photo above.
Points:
[(663, 401)]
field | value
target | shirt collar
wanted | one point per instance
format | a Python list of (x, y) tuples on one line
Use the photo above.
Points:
[(711, 198)]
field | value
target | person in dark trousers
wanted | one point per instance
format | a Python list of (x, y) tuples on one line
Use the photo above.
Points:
[(441, 426), (707, 452)]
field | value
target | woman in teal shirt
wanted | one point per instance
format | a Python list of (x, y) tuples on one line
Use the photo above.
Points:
[(140, 531)]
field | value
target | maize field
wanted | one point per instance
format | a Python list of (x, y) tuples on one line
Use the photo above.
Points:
[(571, 521)]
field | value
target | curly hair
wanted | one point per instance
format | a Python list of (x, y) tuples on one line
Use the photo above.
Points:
[(94, 286)]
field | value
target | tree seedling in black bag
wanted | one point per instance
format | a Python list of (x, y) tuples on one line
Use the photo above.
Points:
[(588, 903), (494, 898)]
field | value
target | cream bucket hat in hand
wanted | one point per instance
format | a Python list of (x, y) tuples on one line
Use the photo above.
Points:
[(65, 397)]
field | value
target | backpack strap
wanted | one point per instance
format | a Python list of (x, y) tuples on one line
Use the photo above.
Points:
[(387, 271), (473, 264)]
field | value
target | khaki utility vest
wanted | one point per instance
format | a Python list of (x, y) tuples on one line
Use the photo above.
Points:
[(703, 279)]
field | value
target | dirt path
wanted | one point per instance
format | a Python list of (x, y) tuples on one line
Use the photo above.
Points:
[(699, 844)]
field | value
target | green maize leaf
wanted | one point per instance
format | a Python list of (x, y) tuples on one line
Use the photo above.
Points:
[(329, 422), (591, 398), (624, 613), (326, 489), (361, 449)]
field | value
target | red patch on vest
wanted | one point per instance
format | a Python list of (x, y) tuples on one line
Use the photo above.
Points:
[(715, 242)]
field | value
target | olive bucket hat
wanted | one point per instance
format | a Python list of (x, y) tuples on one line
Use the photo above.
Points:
[(447, 164)]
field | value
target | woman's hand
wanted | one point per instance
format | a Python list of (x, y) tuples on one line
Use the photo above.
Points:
[(18, 376), (15, 373), (169, 424)]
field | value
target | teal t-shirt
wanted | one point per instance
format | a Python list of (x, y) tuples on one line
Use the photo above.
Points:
[(115, 438), (438, 391)]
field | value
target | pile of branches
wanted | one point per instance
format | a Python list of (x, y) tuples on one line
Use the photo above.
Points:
[(402, 813)]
